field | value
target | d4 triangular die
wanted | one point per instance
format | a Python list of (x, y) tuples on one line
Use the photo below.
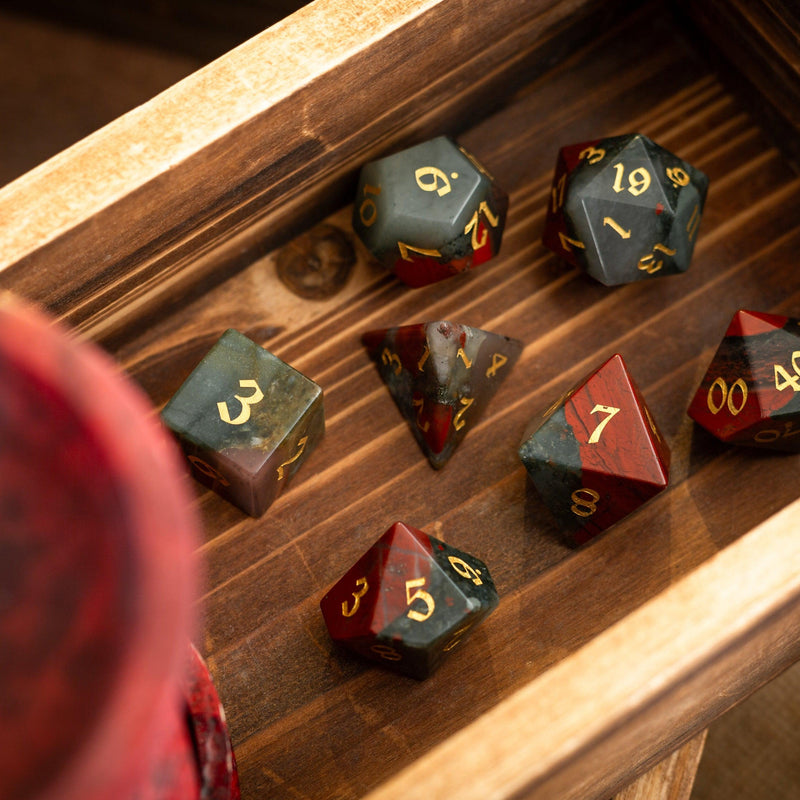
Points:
[(441, 375)]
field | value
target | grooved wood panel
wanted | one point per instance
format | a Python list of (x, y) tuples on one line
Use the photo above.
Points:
[(759, 45), (308, 721), (196, 183)]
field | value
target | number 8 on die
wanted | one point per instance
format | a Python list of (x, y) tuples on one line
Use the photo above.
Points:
[(595, 455)]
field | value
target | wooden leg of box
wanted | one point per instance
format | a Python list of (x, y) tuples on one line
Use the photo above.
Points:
[(670, 779)]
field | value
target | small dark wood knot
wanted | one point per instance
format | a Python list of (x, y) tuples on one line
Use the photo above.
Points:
[(318, 263)]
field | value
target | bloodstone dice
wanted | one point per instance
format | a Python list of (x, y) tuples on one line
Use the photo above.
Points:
[(624, 209), (441, 375), (246, 421), (596, 454), (429, 212), (750, 394), (408, 601)]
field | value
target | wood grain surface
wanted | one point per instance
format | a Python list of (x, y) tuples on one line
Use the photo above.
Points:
[(670, 779), (757, 44), (199, 181), (309, 721), (600, 661)]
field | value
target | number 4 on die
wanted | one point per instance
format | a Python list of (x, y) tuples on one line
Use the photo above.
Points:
[(750, 394)]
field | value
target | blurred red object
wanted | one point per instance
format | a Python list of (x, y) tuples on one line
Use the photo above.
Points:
[(98, 576)]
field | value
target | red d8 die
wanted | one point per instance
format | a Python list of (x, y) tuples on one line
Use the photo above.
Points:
[(750, 394), (596, 454), (408, 601)]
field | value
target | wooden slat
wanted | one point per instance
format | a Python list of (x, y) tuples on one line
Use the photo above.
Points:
[(758, 46), (195, 183), (699, 645), (670, 779)]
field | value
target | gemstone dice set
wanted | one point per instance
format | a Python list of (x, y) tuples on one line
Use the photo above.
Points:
[(622, 209)]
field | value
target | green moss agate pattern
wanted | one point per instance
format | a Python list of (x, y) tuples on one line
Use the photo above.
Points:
[(246, 421)]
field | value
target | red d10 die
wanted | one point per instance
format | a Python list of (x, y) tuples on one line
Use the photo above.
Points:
[(750, 394), (596, 454), (408, 601)]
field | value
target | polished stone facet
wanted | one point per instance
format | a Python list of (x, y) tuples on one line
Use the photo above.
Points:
[(750, 394), (441, 375), (429, 212), (246, 421), (624, 209), (596, 455), (408, 601)]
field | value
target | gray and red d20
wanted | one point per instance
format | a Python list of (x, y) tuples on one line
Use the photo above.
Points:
[(624, 209), (246, 421), (429, 212)]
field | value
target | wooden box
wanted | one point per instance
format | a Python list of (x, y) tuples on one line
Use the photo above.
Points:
[(163, 229)]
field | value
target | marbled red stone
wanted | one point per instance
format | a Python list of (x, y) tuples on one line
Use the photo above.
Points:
[(97, 569), (596, 454), (215, 762), (442, 375), (555, 225), (750, 394), (408, 601)]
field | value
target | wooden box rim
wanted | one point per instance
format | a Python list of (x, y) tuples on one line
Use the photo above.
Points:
[(640, 688)]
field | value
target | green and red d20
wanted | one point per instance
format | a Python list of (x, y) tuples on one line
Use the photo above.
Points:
[(441, 375), (246, 421), (408, 601), (750, 394), (624, 209), (429, 212), (596, 454)]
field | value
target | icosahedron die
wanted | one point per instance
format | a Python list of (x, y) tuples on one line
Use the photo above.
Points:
[(441, 375), (408, 601), (596, 454), (624, 209), (750, 394)]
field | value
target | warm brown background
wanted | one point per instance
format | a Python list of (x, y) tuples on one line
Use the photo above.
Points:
[(57, 84)]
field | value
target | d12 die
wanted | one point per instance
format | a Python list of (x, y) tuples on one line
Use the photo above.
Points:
[(624, 209), (441, 375), (246, 421), (596, 454), (751, 392), (408, 601), (429, 212)]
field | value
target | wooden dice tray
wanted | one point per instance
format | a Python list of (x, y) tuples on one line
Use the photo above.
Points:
[(158, 232)]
